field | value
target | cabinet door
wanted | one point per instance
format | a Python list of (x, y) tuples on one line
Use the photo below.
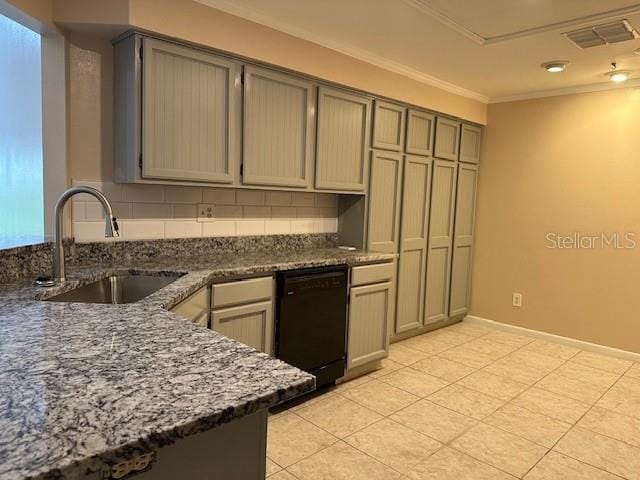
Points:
[(278, 118), (189, 102), (195, 306), (470, 144), (384, 202), (443, 191), (388, 126), (370, 314), (447, 141), (248, 324), (463, 239), (420, 130), (413, 243), (342, 140)]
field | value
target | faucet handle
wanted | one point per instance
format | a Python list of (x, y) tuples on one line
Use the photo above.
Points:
[(116, 227)]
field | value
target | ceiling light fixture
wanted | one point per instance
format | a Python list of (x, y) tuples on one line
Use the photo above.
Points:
[(556, 66), (618, 76)]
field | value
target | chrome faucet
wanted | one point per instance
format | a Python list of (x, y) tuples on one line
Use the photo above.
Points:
[(110, 226)]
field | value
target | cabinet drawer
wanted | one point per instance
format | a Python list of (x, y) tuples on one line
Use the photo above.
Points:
[(244, 291), (194, 306), (381, 272)]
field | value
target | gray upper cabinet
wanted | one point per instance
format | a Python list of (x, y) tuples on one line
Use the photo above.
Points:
[(443, 191), (413, 243), (277, 129), (385, 181), (470, 143), (342, 140), (189, 113), (447, 140), (420, 131), (388, 126), (463, 239)]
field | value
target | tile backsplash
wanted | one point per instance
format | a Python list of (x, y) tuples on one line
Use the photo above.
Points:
[(162, 211)]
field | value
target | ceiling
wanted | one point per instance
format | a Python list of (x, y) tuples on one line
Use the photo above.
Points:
[(490, 50)]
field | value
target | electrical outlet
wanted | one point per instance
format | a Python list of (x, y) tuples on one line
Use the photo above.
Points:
[(516, 299), (205, 212)]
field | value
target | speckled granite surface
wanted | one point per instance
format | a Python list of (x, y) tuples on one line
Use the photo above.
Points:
[(83, 385)]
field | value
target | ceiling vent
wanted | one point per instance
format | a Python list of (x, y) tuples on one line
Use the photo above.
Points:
[(614, 32)]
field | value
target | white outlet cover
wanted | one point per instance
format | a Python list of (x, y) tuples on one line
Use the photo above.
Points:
[(206, 212)]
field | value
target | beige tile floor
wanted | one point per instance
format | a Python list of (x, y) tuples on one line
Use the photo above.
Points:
[(464, 403)]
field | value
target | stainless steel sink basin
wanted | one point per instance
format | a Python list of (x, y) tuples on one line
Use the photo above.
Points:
[(117, 289)]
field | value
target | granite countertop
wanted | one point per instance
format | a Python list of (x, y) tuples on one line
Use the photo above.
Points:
[(84, 385)]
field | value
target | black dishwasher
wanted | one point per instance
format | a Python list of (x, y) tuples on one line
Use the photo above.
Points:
[(311, 321)]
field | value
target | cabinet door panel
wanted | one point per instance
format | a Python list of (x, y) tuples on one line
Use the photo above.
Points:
[(447, 141), (342, 140), (278, 114), (413, 243), (420, 130), (443, 190), (463, 240), (189, 100), (249, 324), (388, 126), (370, 314), (470, 144), (384, 201)]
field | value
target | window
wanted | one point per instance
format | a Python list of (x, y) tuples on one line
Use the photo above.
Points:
[(21, 159)]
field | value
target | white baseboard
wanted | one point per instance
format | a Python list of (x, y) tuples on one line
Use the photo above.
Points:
[(572, 342)]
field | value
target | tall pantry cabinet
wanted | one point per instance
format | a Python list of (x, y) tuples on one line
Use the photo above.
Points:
[(421, 205)]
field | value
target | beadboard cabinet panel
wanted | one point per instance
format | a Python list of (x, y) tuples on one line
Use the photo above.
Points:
[(447, 142), (420, 131), (384, 201), (388, 126), (249, 324), (277, 129), (413, 243), (342, 140), (463, 239), (443, 192), (370, 314), (188, 113), (470, 143)]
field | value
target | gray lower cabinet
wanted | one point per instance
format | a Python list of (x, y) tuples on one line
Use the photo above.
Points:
[(463, 239), (470, 143), (195, 307), (370, 315), (277, 129), (188, 113), (388, 126), (342, 140), (447, 139), (443, 192), (249, 324), (413, 243), (385, 196), (243, 310), (420, 131)]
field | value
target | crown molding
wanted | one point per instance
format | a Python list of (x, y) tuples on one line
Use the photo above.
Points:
[(594, 87), (424, 7), (344, 48)]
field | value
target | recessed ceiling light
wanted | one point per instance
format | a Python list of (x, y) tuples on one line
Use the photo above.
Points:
[(555, 66), (619, 76)]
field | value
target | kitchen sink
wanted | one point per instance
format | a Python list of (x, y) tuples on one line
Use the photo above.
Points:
[(117, 289)]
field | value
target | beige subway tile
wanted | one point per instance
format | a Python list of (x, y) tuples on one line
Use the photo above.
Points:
[(308, 212), (250, 227), (274, 227), (303, 199), (326, 200), (182, 229), (94, 212), (143, 211), (90, 232), (250, 197), (141, 230), (122, 210), (283, 212), (185, 212), (227, 212), (143, 193), (79, 211), (278, 198), (302, 226), (176, 194), (219, 196), (252, 213), (219, 228)]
